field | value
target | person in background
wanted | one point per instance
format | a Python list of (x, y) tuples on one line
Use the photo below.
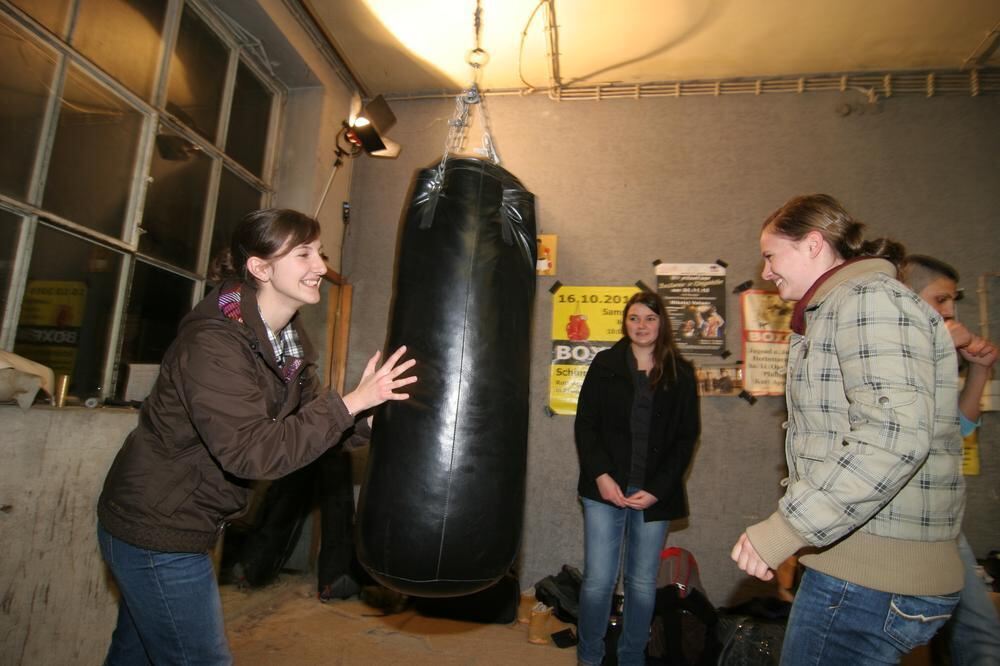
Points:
[(875, 494), (975, 627), (637, 421), (237, 399)]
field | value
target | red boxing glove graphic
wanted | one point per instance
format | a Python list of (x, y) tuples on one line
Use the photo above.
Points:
[(577, 328)]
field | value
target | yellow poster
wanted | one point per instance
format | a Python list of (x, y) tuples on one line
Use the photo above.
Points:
[(585, 321), (49, 329)]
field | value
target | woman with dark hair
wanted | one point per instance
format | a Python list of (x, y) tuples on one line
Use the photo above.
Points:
[(237, 399), (874, 491), (637, 421)]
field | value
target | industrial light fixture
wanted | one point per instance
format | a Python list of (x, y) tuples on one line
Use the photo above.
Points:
[(362, 132), (367, 130)]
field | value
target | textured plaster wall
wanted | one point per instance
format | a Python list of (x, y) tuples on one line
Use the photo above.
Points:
[(625, 182)]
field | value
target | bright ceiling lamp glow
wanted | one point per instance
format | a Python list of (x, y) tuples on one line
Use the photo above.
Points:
[(440, 32)]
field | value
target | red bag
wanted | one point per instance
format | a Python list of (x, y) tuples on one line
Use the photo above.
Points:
[(679, 568)]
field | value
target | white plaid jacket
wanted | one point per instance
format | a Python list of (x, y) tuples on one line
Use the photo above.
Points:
[(873, 445)]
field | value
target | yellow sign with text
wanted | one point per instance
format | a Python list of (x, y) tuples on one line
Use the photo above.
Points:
[(51, 317), (585, 321)]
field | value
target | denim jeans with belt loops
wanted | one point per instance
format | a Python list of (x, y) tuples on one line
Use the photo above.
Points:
[(169, 611), (605, 529)]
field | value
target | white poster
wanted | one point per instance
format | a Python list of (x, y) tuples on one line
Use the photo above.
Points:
[(767, 326)]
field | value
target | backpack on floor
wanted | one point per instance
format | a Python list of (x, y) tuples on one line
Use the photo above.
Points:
[(683, 632), (562, 593)]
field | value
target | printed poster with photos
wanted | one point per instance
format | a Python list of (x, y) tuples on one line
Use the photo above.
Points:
[(585, 321), (695, 298), (767, 327), (719, 380)]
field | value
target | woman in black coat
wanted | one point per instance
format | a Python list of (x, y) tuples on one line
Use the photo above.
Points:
[(636, 424)]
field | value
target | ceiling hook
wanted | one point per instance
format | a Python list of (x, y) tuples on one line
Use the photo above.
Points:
[(477, 57)]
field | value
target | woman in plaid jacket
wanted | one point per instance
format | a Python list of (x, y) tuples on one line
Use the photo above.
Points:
[(875, 495)]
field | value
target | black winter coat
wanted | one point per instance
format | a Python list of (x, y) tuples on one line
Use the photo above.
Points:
[(604, 432)]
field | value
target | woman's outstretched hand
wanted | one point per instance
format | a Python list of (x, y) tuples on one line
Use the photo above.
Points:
[(379, 384)]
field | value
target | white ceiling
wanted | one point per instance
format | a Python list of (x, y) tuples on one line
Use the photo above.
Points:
[(407, 47)]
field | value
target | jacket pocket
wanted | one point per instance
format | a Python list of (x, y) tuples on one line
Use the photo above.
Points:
[(178, 488), (889, 418), (814, 446)]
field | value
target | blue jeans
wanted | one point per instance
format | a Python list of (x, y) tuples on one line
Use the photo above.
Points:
[(835, 622), (169, 611), (975, 630), (605, 529)]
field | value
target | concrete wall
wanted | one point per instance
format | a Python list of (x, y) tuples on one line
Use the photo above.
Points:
[(58, 604), (626, 182)]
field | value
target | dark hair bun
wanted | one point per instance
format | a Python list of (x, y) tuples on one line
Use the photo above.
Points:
[(884, 248), (221, 267)]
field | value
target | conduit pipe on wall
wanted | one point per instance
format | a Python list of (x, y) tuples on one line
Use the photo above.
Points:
[(930, 84)]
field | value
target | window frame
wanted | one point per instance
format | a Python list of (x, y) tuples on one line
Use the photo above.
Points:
[(154, 114)]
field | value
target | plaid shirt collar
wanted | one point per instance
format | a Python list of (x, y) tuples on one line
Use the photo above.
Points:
[(288, 350), (285, 343)]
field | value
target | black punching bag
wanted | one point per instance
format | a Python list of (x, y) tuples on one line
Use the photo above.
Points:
[(441, 508)]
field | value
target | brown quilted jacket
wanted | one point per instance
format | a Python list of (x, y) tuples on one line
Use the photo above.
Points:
[(220, 415)]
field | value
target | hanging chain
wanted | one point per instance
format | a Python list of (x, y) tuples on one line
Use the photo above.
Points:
[(488, 144), (458, 126)]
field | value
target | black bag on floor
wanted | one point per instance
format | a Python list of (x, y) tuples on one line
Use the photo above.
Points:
[(496, 604), (684, 629), (752, 633), (562, 593)]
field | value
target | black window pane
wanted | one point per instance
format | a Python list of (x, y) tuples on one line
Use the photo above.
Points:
[(197, 76), (157, 302), (123, 37), (50, 13), (67, 308), (236, 199), (90, 169), (246, 139), (175, 201), (25, 78), (9, 229)]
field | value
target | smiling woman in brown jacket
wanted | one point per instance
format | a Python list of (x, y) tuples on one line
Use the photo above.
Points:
[(237, 399)]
